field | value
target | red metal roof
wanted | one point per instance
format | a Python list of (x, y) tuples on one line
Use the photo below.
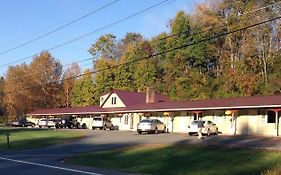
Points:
[(273, 101), (135, 102), (130, 98)]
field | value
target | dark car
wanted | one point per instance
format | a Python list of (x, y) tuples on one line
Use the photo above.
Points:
[(23, 123), (68, 122)]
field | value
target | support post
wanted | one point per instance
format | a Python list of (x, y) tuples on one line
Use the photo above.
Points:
[(233, 120), (276, 123), (234, 123), (276, 120)]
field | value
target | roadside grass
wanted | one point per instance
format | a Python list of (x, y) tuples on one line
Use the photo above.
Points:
[(28, 138), (189, 160)]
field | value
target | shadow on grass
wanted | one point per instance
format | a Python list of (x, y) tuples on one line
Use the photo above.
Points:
[(27, 138), (33, 143), (179, 159), (11, 130)]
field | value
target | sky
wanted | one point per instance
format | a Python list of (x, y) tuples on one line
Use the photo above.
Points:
[(24, 20)]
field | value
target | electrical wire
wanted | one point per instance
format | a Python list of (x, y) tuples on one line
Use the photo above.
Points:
[(58, 29), (166, 37), (90, 33)]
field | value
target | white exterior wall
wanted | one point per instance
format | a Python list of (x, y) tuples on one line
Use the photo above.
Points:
[(128, 121), (33, 119), (108, 103), (87, 120)]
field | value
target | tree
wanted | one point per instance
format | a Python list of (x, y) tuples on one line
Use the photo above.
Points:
[(83, 91), (46, 81), (33, 86), (104, 47), (17, 97), (2, 106), (69, 78)]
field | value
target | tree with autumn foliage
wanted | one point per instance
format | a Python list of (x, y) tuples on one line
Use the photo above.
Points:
[(33, 86)]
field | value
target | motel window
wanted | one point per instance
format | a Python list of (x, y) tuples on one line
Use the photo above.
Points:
[(113, 100), (271, 117), (126, 121)]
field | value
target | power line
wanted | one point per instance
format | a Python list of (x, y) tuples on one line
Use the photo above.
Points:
[(59, 28), (139, 12), (221, 26), (163, 38), (90, 33), (183, 46), (54, 68), (167, 51)]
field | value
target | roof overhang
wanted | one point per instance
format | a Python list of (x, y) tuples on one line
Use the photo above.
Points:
[(112, 111)]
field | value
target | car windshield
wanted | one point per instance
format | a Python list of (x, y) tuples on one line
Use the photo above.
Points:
[(97, 119), (197, 122), (146, 121)]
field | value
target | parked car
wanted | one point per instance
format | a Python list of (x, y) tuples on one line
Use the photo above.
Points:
[(46, 122), (102, 123), (151, 126), (69, 122), (207, 127), (23, 123)]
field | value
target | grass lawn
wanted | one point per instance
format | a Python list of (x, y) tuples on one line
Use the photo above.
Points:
[(189, 160), (26, 138)]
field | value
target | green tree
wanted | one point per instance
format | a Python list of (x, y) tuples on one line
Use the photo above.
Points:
[(83, 91), (68, 82)]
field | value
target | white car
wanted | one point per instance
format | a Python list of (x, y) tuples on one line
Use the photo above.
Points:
[(151, 126), (207, 127), (50, 123), (102, 123)]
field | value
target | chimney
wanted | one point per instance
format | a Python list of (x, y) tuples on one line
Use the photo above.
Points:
[(150, 95)]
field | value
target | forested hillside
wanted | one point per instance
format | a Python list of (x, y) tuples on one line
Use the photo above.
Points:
[(223, 49)]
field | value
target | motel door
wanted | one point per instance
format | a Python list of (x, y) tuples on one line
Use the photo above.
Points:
[(131, 121)]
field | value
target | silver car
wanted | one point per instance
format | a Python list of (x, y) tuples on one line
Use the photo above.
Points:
[(207, 127), (151, 126), (50, 123), (102, 123)]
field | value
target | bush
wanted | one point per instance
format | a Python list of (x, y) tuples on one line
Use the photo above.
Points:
[(3, 120), (276, 170)]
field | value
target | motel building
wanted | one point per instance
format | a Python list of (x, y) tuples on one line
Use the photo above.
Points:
[(257, 115)]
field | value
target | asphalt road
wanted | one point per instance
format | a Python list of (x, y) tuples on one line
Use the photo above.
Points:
[(46, 161)]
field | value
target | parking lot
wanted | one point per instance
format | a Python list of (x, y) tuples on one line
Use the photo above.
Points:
[(50, 160)]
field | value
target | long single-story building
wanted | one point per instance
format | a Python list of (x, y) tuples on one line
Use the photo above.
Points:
[(244, 115)]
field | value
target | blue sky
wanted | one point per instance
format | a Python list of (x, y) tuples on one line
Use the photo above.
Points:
[(23, 20)]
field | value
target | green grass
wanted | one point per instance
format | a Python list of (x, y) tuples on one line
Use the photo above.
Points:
[(27, 138), (189, 160)]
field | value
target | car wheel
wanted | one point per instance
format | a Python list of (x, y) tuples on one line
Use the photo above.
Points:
[(164, 130), (208, 132), (112, 127), (139, 132), (104, 128), (217, 131), (156, 130), (189, 134), (93, 128)]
